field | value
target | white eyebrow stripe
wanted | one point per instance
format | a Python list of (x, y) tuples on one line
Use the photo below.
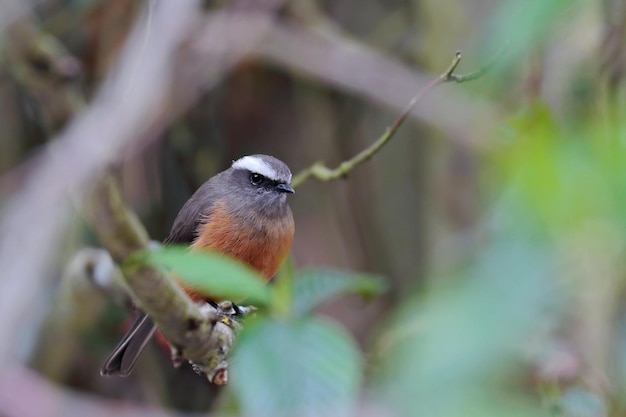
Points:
[(256, 165)]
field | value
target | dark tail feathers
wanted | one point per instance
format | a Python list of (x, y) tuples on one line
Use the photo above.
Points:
[(125, 355)]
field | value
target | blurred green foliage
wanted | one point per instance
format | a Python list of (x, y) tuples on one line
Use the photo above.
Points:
[(309, 367), (459, 349), (562, 177), (524, 25)]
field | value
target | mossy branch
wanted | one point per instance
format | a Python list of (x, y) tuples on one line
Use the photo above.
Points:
[(321, 172), (204, 335)]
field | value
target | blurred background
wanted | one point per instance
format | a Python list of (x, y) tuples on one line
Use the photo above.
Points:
[(495, 215)]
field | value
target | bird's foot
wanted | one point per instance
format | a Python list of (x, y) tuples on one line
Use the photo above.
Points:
[(234, 310)]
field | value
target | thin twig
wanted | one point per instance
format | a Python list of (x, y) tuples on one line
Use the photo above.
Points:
[(480, 71), (321, 172)]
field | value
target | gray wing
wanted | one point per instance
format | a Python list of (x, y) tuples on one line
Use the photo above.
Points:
[(193, 213), (185, 226)]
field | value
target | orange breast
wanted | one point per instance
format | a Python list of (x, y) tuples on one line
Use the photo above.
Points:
[(263, 245)]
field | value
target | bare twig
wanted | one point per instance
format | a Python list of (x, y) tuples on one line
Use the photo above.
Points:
[(479, 72), (323, 173)]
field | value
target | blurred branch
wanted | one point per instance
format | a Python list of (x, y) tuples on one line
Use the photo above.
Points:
[(46, 73), (612, 58), (355, 68), (23, 393), (78, 307), (11, 11), (323, 173)]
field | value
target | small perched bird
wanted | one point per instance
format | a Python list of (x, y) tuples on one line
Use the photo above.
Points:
[(241, 212)]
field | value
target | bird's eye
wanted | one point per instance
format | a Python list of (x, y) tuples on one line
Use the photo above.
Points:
[(256, 179)]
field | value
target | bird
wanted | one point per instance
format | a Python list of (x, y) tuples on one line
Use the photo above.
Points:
[(241, 212)]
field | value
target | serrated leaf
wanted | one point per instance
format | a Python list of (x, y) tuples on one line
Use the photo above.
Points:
[(212, 273), (306, 367), (313, 287)]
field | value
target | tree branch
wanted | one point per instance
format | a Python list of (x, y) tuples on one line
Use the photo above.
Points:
[(321, 172)]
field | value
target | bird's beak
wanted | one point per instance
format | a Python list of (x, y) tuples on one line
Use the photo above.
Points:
[(285, 188)]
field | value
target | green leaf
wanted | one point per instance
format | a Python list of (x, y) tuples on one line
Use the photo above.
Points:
[(306, 367), (313, 287), (212, 273)]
